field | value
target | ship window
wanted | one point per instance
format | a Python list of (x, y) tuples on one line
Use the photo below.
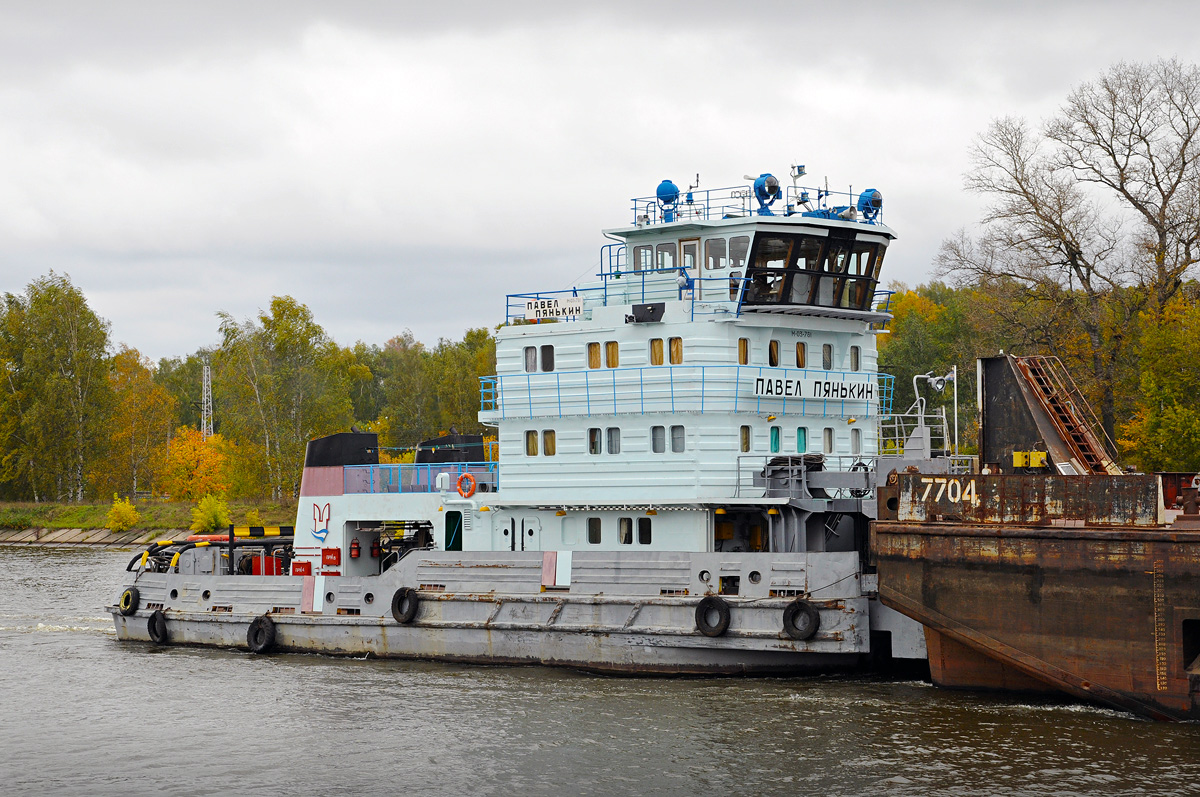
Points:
[(625, 530), (643, 531), (776, 438), (611, 355), (593, 441), (855, 353), (666, 257), (801, 439), (678, 439), (714, 254), (827, 440), (801, 355), (772, 253), (547, 358), (739, 246), (658, 439), (808, 254), (676, 345), (613, 438), (594, 530), (856, 441), (531, 444), (643, 258), (744, 351), (745, 435), (773, 354), (656, 351), (548, 447), (593, 355), (827, 356), (530, 359)]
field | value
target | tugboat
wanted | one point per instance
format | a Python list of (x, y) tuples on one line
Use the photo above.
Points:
[(683, 480)]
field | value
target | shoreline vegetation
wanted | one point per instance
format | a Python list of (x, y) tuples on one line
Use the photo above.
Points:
[(64, 523)]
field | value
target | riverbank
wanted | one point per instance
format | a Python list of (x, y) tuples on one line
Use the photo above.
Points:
[(98, 537)]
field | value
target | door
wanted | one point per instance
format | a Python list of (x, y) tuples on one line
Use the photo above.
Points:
[(689, 261), (530, 531)]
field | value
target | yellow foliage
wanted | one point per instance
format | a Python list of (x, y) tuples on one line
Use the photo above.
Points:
[(210, 514), (194, 467), (122, 516), (253, 518)]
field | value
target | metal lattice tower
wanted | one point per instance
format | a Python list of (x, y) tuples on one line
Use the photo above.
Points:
[(206, 410)]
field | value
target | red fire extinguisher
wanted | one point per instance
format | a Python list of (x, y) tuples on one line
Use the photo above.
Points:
[(375, 550), (355, 548)]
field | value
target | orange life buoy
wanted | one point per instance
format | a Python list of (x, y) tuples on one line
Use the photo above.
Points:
[(466, 492)]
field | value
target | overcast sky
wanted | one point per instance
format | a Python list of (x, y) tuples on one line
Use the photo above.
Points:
[(395, 166)]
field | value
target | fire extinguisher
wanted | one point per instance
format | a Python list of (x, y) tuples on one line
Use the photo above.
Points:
[(375, 549), (355, 548)]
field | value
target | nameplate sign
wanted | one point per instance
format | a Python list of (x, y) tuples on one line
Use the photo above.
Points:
[(767, 387), (569, 307)]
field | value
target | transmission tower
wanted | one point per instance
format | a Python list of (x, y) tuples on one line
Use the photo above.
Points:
[(206, 412)]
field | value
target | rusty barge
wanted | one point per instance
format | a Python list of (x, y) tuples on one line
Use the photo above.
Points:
[(1061, 573)]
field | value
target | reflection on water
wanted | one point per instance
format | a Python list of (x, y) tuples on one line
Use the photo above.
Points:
[(86, 714)]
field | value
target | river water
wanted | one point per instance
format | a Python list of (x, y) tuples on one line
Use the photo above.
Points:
[(82, 713)]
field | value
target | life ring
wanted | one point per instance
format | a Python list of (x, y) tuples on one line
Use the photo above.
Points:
[(405, 604), (469, 491), (800, 619), (260, 636), (129, 602), (712, 616), (157, 628)]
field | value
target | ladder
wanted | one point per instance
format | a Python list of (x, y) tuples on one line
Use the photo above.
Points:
[(1070, 413)]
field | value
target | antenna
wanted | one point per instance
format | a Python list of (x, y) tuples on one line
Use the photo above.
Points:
[(206, 409)]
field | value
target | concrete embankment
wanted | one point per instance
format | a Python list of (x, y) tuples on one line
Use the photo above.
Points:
[(132, 537)]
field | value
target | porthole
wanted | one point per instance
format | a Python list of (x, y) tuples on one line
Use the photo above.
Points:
[(893, 503), (369, 597), (755, 576), (705, 576), (329, 597), (531, 532), (206, 595), (174, 594)]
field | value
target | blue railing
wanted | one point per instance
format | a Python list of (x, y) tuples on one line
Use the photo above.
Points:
[(683, 388), (358, 479), (738, 200), (887, 391)]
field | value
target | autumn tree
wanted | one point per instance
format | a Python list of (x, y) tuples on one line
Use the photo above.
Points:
[(140, 428), (194, 467)]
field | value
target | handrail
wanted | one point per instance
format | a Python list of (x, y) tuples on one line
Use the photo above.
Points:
[(738, 201), (416, 478)]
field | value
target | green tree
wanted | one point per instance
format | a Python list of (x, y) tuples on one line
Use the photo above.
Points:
[(142, 419)]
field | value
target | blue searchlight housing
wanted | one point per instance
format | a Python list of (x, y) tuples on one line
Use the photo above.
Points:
[(870, 202), (766, 191), (668, 198)]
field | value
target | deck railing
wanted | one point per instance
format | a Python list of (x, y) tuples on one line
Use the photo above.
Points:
[(420, 478)]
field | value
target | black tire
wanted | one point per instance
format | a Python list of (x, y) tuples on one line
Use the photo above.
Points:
[(405, 604), (712, 616), (130, 601), (157, 627), (801, 620), (260, 636)]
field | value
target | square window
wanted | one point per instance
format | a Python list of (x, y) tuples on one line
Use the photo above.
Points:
[(547, 358), (625, 530), (594, 441), (676, 351), (594, 530), (745, 435), (613, 438), (801, 439), (773, 354), (714, 254), (776, 439), (548, 447), (530, 359), (855, 353), (801, 355), (643, 258), (593, 355), (744, 351), (658, 439), (643, 531), (611, 355), (656, 351), (677, 439), (531, 444), (827, 356)]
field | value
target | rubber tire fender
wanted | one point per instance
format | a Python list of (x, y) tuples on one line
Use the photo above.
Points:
[(405, 604), (801, 620), (260, 636), (157, 628), (706, 606), (129, 602)]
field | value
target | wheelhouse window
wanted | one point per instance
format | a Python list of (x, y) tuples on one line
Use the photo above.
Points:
[(593, 355), (773, 354), (612, 357), (665, 257), (656, 351), (531, 443), (743, 351), (739, 248), (548, 446), (547, 358), (678, 439), (658, 439), (643, 258), (593, 524), (833, 271), (827, 356), (530, 359), (594, 441), (801, 355), (676, 346), (715, 254), (745, 439)]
